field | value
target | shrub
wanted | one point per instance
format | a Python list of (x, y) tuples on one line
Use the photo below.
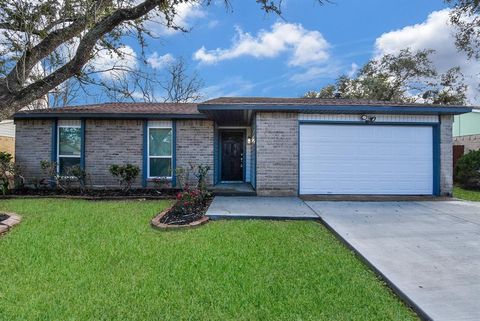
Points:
[(201, 175), (49, 169), (467, 170), (80, 175), (188, 201), (160, 183), (126, 175), (9, 173)]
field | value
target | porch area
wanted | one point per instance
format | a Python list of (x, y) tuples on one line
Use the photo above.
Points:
[(234, 189)]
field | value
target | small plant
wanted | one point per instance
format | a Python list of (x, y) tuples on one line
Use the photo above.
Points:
[(201, 175), (80, 175), (467, 170), (126, 175), (181, 176), (161, 183)]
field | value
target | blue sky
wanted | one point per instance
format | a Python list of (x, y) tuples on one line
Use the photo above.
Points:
[(244, 52)]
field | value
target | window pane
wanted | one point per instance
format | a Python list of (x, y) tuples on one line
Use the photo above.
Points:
[(66, 162), (160, 140), (160, 167), (69, 141)]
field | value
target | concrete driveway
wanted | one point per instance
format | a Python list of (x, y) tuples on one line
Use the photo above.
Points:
[(428, 251)]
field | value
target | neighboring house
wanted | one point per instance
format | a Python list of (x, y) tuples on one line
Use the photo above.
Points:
[(7, 136), (281, 146), (7, 127), (466, 130)]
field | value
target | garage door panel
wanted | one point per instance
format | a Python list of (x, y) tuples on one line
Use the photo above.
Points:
[(360, 159)]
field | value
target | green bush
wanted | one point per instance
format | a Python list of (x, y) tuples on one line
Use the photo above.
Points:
[(126, 175), (79, 174), (467, 170)]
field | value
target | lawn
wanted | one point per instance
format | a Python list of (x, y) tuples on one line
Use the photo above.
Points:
[(465, 194), (81, 260)]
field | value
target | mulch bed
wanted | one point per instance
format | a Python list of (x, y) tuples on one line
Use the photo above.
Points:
[(93, 194), (172, 218)]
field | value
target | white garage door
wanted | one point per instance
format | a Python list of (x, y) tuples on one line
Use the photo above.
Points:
[(362, 159)]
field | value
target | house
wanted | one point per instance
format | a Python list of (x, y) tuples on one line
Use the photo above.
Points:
[(7, 136), (278, 146), (466, 131)]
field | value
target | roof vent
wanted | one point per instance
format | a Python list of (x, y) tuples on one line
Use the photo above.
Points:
[(338, 95)]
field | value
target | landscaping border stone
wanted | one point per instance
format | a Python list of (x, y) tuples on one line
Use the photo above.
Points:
[(155, 222), (12, 220)]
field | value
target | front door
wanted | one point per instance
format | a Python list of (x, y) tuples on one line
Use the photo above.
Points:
[(232, 155)]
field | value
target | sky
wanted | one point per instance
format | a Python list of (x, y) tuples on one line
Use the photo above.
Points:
[(241, 51)]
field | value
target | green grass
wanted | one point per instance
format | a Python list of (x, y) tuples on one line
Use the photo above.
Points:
[(80, 260), (465, 194)]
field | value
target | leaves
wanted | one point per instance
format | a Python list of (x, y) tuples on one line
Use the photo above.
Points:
[(404, 77)]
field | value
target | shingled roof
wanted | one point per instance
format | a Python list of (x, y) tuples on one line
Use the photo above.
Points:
[(118, 110), (311, 102), (229, 105)]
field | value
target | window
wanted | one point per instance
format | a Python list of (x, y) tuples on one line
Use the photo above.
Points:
[(68, 148), (160, 152)]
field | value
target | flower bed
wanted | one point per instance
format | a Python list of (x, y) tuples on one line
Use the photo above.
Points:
[(7, 221), (188, 211)]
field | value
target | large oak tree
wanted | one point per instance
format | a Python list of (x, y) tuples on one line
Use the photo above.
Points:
[(43, 44)]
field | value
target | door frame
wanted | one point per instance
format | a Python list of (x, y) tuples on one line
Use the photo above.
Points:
[(219, 146), (436, 157)]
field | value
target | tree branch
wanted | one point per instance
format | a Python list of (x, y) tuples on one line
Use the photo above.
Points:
[(84, 51)]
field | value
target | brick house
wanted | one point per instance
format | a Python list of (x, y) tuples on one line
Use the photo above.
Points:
[(275, 146)]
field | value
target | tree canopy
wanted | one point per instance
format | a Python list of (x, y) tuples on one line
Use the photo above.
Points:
[(403, 77), (44, 44), (465, 16)]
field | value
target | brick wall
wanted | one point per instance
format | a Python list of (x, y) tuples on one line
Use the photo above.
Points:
[(277, 153), (446, 155), (471, 142), (195, 145), (32, 144), (110, 142)]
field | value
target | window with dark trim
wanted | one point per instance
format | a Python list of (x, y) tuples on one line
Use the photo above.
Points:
[(160, 146), (69, 142)]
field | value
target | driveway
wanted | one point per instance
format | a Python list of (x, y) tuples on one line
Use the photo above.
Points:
[(428, 251)]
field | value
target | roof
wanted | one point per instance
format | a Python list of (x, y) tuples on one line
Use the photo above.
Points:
[(321, 105), (117, 110), (230, 105)]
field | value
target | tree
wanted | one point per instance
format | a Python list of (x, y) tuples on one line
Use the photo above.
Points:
[(45, 43), (179, 86), (404, 77), (465, 16)]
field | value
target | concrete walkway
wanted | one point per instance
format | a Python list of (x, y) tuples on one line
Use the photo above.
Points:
[(260, 207), (428, 251)]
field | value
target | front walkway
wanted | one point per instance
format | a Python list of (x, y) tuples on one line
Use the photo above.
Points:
[(428, 251), (260, 207)]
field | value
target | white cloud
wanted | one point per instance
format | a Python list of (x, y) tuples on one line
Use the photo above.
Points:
[(157, 61), (435, 33), (317, 72), (233, 86), (112, 64), (304, 46), (186, 14)]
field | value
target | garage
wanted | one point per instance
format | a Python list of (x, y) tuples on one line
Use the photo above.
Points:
[(367, 159)]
